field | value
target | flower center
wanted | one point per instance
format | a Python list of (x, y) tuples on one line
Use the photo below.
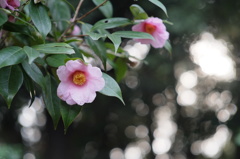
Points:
[(79, 78), (149, 28)]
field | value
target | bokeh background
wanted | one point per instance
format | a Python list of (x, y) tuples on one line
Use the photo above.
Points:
[(179, 106)]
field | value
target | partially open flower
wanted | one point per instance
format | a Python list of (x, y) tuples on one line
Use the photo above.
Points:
[(79, 82), (156, 28), (10, 4)]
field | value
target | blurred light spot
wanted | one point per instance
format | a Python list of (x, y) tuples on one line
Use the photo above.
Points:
[(144, 146), (159, 99), (212, 147), (232, 109), (137, 51), (116, 153), (140, 107), (31, 135), (196, 147), (213, 57), (161, 145), (186, 97), (223, 115), (29, 156), (27, 117), (130, 131), (133, 152), (191, 112), (141, 131), (165, 128), (189, 79), (131, 81), (163, 156)]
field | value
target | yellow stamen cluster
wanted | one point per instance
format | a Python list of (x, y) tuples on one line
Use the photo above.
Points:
[(79, 78)]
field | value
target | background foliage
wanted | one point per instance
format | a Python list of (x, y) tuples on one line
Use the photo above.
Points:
[(106, 124)]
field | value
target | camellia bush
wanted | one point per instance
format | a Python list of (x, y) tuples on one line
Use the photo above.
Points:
[(44, 46)]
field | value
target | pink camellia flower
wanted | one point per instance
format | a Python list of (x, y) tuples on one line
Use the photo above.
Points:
[(79, 82), (156, 28), (10, 4), (76, 30)]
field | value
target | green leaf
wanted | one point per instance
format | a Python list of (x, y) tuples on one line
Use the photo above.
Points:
[(138, 12), (111, 88), (96, 36), (51, 100), (168, 47), (34, 73), (111, 23), (40, 18), (106, 9), (97, 46), (61, 14), (11, 56), (56, 60), (120, 68), (20, 28), (54, 48), (11, 79), (116, 40), (160, 5), (31, 53), (28, 83), (69, 113), (3, 18), (133, 34)]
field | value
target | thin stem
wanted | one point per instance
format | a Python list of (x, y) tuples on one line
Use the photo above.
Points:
[(73, 21), (78, 19)]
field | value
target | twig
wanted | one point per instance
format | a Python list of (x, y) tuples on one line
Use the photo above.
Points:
[(78, 19), (73, 21)]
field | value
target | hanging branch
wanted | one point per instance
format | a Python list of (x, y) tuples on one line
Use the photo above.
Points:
[(75, 19)]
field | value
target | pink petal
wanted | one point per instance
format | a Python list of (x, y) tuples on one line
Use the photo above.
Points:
[(63, 73), (93, 71), (82, 95), (3, 3), (96, 84), (138, 27), (63, 90), (75, 65)]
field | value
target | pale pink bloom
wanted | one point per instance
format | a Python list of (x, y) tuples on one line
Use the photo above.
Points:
[(10, 4), (76, 30), (156, 28), (79, 82)]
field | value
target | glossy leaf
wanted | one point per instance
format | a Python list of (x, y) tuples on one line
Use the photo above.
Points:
[(120, 68), (111, 23), (138, 12), (116, 40), (56, 60), (168, 47), (111, 88), (51, 100), (69, 113), (133, 34), (20, 28), (97, 46), (96, 36), (54, 48), (34, 73), (106, 9), (160, 5), (3, 18), (31, 53), (40, 18), (11, 79), (11, 56), (61, 14)]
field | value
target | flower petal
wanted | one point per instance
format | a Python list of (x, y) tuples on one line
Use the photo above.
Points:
[(82, 95), (63, 73), (75, 65)]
